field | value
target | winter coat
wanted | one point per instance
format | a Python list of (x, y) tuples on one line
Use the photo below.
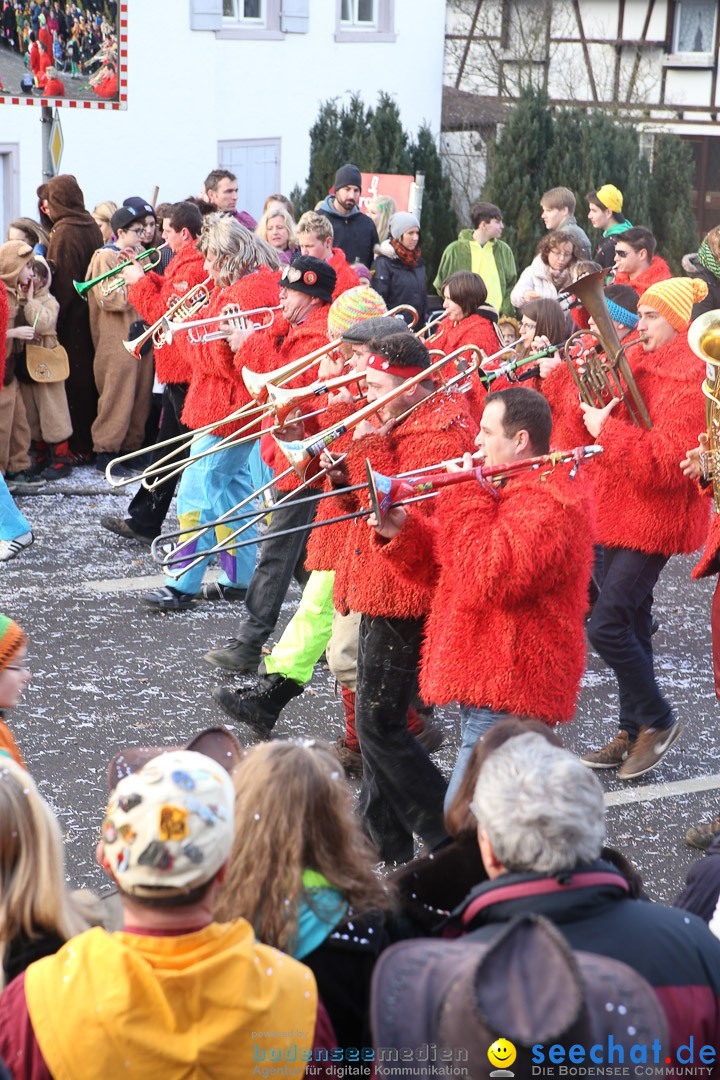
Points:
[(345, 276), (74, 238), (354, 233), (110, 316), (675, 952), (42, 313), (216, 388), (438, 430), (152, 295), (605, 251), (658, 270), (400, 284), (536, 278), (643, 500), (457, 256), (712, 300), (510, 577)]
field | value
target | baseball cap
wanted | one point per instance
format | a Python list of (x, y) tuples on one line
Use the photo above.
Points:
[(140, 206)]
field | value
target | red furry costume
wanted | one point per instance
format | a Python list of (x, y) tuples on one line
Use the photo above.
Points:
[(510, 578), (151, 296), (658, 270), (326, 545), (439, 429), (643, 500), (472, 330), (274, 348), (216, 388), (346, 278)]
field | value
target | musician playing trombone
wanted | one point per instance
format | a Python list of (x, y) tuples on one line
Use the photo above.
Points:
[(508, 570), (243, 268), (151, 294)]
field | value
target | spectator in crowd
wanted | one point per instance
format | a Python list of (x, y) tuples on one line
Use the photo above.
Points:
[(399, 268), (277, 228), (551, 271), (315, 238), (705, 264), (381, 208), (73, 240), (273, 202), (124, 384), (354, 232), (37, 912), (16, 259), (45, 402), (541, 818), (558, 214), (54, 87), (481, 250), (605, 213), (102, 216), (636, 263), (31, 232), (702, 885), (508, 329), (14, 679), (301, 873), (221, 191), (200, 990)]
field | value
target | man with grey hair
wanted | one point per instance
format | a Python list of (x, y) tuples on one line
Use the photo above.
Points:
[(540, 816)]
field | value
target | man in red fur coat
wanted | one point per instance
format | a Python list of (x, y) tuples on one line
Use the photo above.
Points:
[(402, 791), (636, 263), (647, 511), (306, 289), (151, 294), (509, 568)]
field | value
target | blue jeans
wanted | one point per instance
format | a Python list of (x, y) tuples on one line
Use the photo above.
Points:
[(474, 723), (12, 522), (620, 630)]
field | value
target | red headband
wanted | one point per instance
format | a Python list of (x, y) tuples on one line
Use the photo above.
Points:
[(381, 363)]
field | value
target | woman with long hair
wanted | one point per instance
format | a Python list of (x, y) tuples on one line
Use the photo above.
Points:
[(543, 323), (301, 872), (277, 228), (381, 208), (34, 234), (37, 912)]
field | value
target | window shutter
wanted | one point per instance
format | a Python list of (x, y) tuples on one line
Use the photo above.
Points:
[(206, 14), (295, 16)]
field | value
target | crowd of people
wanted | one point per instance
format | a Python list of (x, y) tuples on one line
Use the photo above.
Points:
[(311, 406)]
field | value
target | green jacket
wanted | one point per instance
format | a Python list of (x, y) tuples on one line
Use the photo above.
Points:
[(456, 256)]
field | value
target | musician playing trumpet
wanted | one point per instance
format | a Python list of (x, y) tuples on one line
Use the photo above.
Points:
[(152, 294), (507, 569)]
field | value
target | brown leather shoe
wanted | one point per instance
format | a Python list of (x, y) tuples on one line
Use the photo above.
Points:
[(610, 756), (702, 836)]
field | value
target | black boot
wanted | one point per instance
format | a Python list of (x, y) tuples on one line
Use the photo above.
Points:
[(258, 708)]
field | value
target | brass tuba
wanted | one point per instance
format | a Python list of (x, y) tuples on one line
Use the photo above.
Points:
[(604, 379), (704, 340)]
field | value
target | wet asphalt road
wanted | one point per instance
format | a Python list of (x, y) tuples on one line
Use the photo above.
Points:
[(108, 672)]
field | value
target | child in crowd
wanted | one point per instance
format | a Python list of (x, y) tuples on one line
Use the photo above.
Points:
[(14, 677)]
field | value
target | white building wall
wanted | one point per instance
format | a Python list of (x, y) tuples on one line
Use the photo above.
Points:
[(189, 90)]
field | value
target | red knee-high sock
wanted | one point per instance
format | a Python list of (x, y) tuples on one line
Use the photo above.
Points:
[(351, 739)]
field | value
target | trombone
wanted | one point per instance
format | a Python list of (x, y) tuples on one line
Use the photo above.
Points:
[(183, 307), (231, 313), (107, 285)]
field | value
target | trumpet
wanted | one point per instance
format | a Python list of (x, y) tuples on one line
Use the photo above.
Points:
[(231, 313), (603, 380), (106, 282), (704, 340), (183, 307)]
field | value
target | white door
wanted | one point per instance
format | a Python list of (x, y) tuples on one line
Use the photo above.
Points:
[(256, 163)]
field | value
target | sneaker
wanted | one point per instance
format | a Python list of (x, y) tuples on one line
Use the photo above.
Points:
[(235, 656), (58, 470), (10, 548), (702, 836), (431, 738), (648, 750), (168, 599), (24, 479), (123, 528), (213, 590), (611, 755), (351, 760)]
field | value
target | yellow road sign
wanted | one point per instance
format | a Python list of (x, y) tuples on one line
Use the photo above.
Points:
[(57, 143)]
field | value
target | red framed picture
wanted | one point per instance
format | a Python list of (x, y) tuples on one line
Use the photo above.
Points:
[(67, 54)]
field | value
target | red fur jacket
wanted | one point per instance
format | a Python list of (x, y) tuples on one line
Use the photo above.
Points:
[(151, 296), (709, 563), (215, 387), (346, 278), (643, 500), (506, 625), (658, 270), (473, 330), (274, 348), (440, 429), (326, 545)]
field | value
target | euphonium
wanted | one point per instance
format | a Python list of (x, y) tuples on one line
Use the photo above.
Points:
[(179, 308), (704, 340), (603, 380)]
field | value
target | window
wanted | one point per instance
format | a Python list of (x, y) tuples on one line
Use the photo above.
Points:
[(694, 31), (358, 14), (365, 20), (246, 12)]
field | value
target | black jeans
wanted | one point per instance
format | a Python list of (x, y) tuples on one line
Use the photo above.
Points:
[(278, 562), (148, 509), (620, 630), (402, 791)]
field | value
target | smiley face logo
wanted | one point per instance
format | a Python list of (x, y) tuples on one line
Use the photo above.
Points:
[(502, 1054)]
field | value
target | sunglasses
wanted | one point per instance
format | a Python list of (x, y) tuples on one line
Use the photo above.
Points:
[(621, 254)]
